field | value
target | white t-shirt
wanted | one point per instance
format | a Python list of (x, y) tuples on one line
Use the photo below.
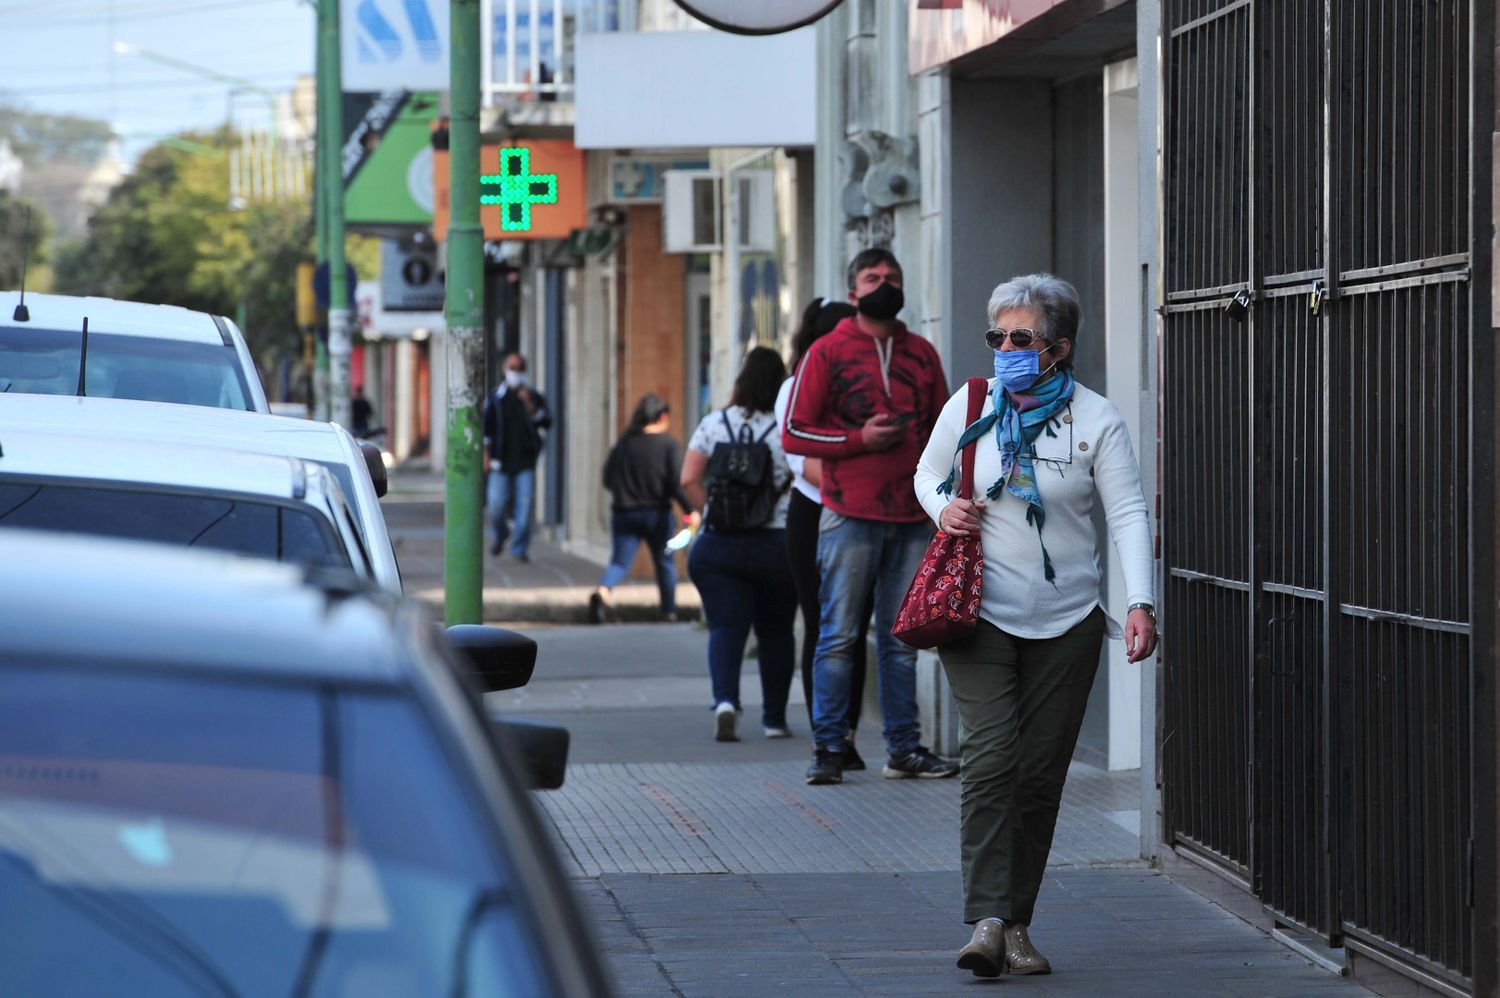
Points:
[(797, 462), (763, 425)]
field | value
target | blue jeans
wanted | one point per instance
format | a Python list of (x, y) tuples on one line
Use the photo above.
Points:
[(628, 528), (745, 582), (511, 496), (857, 559)]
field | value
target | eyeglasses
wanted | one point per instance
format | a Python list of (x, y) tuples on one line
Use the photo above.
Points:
[(1020, 338)]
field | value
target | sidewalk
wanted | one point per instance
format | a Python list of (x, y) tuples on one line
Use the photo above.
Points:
[(553, 587), (711, 869)]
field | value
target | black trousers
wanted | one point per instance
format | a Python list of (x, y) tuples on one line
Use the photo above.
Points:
[(1022, 702), (802, 551)]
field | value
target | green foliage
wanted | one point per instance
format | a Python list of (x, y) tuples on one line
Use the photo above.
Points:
[(13, 211), (167, 234), (38, 138)]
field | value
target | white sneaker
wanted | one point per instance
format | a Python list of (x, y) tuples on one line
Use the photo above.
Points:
[(726, 723), (781, 732)]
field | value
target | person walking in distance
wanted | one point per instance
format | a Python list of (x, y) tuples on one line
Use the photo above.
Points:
[(864, 402), (818, 320), (642, 474), (736, 473), (515, 424)]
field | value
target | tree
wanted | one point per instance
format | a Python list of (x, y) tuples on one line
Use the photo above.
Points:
[(167, 234), (13, 239), (38, 138)]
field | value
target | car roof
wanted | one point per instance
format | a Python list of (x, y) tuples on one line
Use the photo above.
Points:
[(235, 429), (113, 317), (106, 458), (100, 601)]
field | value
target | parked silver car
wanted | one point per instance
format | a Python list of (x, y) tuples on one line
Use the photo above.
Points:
[(163, 353)]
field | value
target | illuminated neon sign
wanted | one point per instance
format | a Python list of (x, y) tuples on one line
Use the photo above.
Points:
[(518, 189)]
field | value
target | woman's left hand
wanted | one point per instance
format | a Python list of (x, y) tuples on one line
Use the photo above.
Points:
[(1140, 635)]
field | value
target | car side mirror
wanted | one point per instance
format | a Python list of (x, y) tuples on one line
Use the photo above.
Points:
[(501, 659), (539, 750), (375, 463)]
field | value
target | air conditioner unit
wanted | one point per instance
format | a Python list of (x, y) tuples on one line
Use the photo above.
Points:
[(690, 212)]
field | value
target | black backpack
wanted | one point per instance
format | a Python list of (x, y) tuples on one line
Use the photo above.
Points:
[(741, 481)]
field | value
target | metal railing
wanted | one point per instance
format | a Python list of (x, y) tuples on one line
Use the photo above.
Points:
[(1320, 432)]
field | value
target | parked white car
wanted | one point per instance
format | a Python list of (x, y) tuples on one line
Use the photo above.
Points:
[(258, 505), (327, 444), (162, 353)]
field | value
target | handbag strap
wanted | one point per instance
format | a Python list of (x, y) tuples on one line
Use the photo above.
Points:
[(977, 392)]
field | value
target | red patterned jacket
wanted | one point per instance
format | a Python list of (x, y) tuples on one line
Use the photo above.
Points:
[(845, 378)]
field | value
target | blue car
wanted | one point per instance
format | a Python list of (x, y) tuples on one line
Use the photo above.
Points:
[(224, 776)]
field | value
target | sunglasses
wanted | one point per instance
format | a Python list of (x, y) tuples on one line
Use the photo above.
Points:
[(1020, 338)]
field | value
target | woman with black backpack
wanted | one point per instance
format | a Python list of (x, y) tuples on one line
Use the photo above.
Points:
[(736, 473)]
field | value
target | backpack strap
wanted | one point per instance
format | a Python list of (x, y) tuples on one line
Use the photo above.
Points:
[(762, 438)]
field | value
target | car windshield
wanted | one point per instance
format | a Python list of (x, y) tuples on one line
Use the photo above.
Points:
[(280, 841), (258, 529), (45, 362)]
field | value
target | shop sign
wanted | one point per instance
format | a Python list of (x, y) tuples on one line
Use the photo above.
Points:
[(639, 179), (528, 189)]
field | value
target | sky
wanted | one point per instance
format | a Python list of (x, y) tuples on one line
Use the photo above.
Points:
[(59, 56)]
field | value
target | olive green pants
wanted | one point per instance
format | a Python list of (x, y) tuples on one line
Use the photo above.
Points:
[(1021, 703)]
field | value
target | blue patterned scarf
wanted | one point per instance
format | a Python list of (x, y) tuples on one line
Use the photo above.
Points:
[(1019, 418)]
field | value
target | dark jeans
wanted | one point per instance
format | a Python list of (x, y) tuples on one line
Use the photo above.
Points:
[(802, 552), (1021, 701), (745, 582), (628, 528)]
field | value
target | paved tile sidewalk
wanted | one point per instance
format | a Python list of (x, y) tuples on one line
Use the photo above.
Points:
[(762, 818), (1107, 932), (553, 587)]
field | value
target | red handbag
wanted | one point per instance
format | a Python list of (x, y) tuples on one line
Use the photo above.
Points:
[(942, 605)]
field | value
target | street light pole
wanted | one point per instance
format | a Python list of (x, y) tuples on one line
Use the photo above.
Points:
[(463, 522), (331, 188)]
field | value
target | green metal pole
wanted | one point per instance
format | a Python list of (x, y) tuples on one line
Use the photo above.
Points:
[(330, 119), (463, 523), (318, 402)]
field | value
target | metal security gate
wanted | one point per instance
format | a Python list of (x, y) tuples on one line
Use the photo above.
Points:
[(1319, 336)]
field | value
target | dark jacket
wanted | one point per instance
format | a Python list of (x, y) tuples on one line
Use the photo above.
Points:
[(644, 471), (515, 445)]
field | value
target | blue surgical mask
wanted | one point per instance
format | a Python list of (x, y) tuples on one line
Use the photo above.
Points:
[(1017, 370)]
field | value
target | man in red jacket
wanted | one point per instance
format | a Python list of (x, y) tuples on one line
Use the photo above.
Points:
[(864, 402)]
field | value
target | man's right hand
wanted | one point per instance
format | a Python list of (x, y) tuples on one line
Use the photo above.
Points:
[(882, 431)]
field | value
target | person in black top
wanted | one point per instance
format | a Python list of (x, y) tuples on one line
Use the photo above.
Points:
[(360, 411), (641, 474), (515, 422)]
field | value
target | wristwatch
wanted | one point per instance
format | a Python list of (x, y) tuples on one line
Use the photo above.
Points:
[(1150, 610)]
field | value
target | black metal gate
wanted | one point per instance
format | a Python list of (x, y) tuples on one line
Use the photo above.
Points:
[(1319, 332)]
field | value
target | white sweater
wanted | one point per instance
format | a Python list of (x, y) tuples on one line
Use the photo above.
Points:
[(1090, 457)]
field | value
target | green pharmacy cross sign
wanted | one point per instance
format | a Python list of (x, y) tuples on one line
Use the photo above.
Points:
[(519, 189)]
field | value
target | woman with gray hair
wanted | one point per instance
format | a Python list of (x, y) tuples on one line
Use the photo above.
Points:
[(1052, 449)]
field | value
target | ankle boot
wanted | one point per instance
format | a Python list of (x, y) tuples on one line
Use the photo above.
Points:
[(1020, 956), (985, 954)]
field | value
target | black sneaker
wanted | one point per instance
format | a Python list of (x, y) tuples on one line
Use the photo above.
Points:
[(827, 767), (919, 763), (852, 762)]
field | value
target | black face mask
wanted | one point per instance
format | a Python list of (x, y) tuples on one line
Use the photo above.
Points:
[(882, 304)]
